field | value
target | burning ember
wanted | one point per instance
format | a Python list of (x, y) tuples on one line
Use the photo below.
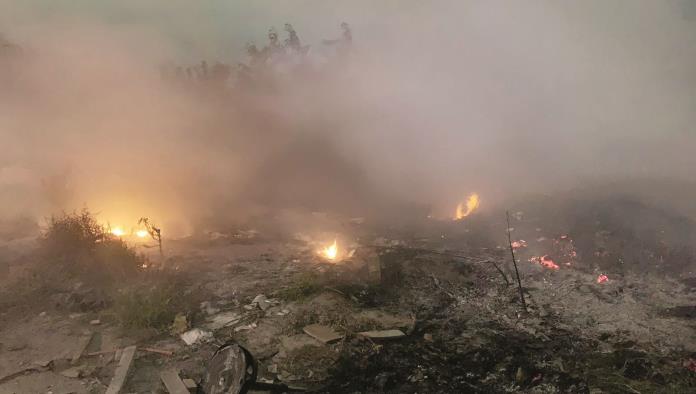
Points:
[(545, 261), (519, 244), (330, 252), (465, 208), (602, 278)]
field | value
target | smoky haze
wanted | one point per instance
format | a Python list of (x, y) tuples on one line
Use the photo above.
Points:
[(438, 99)]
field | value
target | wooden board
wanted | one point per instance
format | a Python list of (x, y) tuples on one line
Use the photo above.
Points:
[(324, 334), (172, 382), (81, 347), (122, 369), (383, 334)]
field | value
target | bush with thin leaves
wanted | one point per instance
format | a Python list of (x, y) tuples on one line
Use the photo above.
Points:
[(76, 244)]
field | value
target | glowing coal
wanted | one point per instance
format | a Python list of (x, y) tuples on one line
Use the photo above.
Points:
[(545, 261)]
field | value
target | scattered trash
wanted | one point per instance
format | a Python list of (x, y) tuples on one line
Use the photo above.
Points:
[(73, 372), (223, 319), (283, 312), (43, 363), (428, 337), (383, 334), (194, 336), (261, 301), (246, 328), (324, 334), (95, 322), (519, 244), (602, 278), (520, 375), (690, 364), (180, 324), (208, 308)]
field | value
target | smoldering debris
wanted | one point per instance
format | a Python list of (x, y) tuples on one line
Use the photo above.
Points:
[(435, 318)]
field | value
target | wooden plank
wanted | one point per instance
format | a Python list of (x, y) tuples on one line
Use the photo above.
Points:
[(383, 334), (172, 382), (122, 369), (324, 334), (81, 347)]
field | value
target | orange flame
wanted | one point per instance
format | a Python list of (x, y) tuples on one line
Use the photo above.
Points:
[(141, 233), (465, 208), (331, 251)]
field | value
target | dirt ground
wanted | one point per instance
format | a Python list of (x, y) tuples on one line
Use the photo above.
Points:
[(465, 329)]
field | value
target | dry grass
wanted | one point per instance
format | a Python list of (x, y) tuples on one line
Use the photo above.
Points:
[(76, 244), (155, 302), (306, 285)]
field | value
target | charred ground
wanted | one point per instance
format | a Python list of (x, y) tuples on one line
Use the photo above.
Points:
[(465, 329)]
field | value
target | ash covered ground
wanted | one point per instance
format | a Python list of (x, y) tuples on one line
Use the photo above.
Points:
[(462, 327)]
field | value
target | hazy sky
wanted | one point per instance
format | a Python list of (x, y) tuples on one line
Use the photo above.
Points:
[(445, 97)]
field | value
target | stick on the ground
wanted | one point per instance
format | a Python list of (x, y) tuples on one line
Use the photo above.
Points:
[(155, 232), (507, 282), (514, 262)]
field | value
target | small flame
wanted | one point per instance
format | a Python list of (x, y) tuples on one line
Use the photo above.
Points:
[(331, 251), (141, 233), (548, 263), (545, 261), (465, 208), (118, 231)]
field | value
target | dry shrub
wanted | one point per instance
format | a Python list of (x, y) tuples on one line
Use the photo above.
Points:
[(304, 286), (77, 245), (155, 302)]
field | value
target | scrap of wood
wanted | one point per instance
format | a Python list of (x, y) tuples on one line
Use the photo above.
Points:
[(173, 382), (21, 372), (117, 354), (122, 369), (158, 351), (382, 334), (101, 352), (81, 347), (324, 334)]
